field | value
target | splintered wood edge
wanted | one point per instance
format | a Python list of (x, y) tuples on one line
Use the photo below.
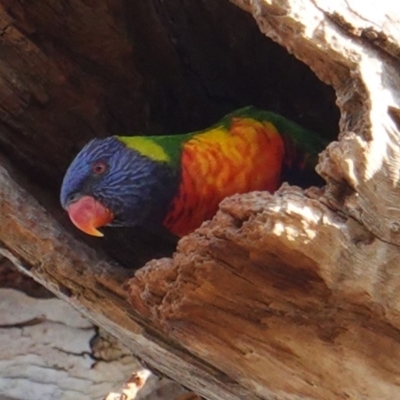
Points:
[(271, 286), (356, 50)]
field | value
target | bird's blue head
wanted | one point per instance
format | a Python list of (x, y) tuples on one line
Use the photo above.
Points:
[(110, 184)]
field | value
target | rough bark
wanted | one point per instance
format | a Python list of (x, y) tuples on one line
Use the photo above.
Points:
[(290, 296)]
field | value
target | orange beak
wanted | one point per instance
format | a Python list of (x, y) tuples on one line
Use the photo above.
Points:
[(88, 214)]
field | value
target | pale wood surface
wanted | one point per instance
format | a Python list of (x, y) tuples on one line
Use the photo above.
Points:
[(46, 352), (49, 351)]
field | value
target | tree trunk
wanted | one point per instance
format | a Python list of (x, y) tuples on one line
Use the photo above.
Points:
[(283, 296)]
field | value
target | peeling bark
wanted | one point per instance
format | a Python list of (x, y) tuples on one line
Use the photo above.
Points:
[(284, 296), (51, 352), (46, 351)]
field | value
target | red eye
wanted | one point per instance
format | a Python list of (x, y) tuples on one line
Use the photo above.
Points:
[(99, 167)]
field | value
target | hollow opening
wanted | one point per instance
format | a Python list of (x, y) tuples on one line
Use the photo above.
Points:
[(192, 63)]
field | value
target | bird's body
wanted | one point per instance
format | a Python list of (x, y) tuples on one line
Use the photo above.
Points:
[(177, 181)]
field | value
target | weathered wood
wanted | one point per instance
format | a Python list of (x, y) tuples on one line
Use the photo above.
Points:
[(39, 247), (276, 293), (131, 387), (159, 389), (49, 351), (279, 297)]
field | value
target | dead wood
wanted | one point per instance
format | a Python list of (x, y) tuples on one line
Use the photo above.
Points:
[(279, 297)]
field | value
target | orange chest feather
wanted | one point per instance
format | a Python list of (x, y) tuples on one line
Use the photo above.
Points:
[(220, 163)]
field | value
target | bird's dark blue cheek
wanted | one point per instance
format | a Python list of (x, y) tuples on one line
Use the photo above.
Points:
[(92, 184)]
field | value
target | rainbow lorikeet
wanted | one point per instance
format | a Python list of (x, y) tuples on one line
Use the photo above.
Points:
[(177, 181)]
